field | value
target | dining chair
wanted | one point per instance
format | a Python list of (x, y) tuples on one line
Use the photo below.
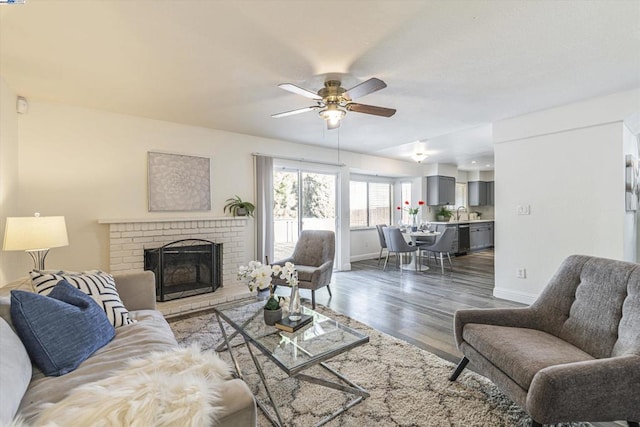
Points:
[(398, 245), (383, 241), (443, 245)]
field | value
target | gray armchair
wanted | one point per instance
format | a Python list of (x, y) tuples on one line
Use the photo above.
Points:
[(313, 258), (574, 354)]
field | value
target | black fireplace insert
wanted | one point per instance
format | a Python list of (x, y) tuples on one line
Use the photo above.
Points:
[(185, 268)]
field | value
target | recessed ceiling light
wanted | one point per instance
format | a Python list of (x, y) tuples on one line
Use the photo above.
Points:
[(473, 162), (488, 165), (419, 157)]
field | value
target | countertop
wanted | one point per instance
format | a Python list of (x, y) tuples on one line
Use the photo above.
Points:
[(463, 221)]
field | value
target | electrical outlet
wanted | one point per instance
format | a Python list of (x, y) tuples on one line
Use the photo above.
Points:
[(523, 209), (521, 273)]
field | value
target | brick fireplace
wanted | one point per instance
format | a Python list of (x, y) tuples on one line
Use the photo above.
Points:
[(128, 238)]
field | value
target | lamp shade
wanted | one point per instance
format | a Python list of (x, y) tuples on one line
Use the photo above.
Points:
[(33, 233)]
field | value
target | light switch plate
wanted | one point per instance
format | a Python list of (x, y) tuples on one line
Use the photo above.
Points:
[(523, 209)]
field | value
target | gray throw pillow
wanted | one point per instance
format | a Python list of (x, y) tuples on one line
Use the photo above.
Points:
[(15, 372), (60, 330)]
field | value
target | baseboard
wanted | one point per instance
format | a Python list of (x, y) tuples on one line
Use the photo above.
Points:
[(364, 257), (508, 294)]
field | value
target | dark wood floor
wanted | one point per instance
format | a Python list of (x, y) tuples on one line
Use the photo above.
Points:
[(416, 307)]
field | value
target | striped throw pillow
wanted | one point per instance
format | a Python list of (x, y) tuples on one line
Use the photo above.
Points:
[(99, 285)]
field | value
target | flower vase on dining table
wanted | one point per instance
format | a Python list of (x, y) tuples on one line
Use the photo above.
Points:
[(414, 222)]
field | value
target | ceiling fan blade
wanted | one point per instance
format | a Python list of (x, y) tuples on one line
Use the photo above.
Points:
[(292, 112), (365, 88), (371, 109), (299, 91)]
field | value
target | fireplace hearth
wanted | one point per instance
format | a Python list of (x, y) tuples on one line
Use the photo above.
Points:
[(185, 268)]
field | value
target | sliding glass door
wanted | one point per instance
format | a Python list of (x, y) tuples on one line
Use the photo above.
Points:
[(303, 200)]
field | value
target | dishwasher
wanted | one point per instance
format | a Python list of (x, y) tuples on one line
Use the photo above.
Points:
[(464, 241)]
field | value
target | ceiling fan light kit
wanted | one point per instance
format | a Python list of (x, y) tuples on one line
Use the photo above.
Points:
[(332, 114), (334, 101)]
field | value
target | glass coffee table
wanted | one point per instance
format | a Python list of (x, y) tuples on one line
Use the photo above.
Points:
[(294, 352)]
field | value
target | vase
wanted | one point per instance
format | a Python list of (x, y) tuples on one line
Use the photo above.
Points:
[(263, 294), (272, 316), (295, 310), (414, 222)]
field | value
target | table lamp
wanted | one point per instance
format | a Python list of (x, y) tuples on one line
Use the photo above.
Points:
[(35, 235)]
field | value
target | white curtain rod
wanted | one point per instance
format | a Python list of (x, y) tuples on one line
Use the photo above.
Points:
[(299, 159)]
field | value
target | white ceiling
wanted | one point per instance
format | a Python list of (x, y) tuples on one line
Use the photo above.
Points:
[(452, 67)]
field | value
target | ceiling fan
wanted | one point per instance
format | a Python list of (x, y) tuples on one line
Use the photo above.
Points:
[(334, 101)]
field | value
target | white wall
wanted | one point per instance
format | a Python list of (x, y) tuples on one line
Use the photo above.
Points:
[(567, 164), (8, 170), (87, 165)]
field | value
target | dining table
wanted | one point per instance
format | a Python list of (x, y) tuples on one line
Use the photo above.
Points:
[(414, 237)]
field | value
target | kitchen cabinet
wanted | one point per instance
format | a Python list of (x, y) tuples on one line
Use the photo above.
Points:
[(441, 190), (477, 193), (481, 235), (490, 193)]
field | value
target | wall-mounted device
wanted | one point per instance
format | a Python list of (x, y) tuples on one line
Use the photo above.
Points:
[(22, 106)]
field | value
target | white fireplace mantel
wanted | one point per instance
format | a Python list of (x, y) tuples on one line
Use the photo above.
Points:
[(166, 219)]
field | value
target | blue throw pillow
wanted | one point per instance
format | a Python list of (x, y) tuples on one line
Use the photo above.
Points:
[(60, 330)]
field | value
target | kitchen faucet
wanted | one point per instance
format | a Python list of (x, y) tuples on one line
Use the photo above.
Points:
[(458, 212)]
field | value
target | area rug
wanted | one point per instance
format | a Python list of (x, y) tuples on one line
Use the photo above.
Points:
[(408, 386)]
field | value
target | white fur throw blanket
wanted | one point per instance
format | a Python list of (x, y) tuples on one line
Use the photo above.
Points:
[(175, 388)]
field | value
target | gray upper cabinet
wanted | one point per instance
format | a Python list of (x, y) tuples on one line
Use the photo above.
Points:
[(491, 193), (441, 190), (477, 193)]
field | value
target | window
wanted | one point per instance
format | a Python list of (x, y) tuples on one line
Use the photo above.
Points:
[(358, 204), (405, 196), (461, 194), (370, 203)]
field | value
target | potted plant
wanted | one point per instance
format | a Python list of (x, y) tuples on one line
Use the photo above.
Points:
[(444, 214), (259, 276), (238, 207)]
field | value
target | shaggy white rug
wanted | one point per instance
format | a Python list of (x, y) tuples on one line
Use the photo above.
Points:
[(176, 388), (409, 387)]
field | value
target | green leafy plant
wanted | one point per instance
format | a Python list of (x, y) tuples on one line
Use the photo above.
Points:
[(238, 207), (444, 212), (273, 303)]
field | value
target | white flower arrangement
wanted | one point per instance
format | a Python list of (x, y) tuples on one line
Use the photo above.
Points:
[(260, 276), (257, 275), (287, 272)]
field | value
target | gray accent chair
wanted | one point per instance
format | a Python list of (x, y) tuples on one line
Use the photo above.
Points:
[(313, 258), (574, 354)]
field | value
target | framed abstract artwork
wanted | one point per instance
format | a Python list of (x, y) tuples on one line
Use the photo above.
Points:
[(178, 182)]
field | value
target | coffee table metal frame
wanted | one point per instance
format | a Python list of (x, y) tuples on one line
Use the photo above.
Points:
[(290, 338)]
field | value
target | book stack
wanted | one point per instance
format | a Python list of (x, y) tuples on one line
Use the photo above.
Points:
[(289, 325)]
